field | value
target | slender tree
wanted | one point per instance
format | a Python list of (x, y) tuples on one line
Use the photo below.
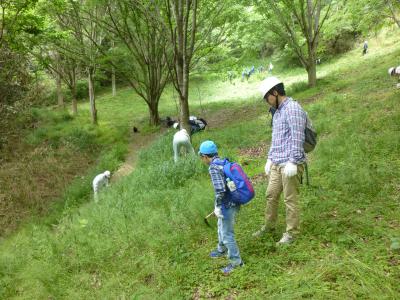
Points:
[(61, 64), (191, 25), (300, 23), (79, 18), (394, 10), (182, 21), (113, 78), (388, 9), (140, 55)]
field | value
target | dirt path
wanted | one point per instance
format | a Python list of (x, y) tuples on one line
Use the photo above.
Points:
[(224, 117), (138, 142), (216, 119)]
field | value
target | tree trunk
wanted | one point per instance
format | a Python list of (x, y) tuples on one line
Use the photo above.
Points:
[(92, 99), (154, 116), (114, 87), (184, 99), (312, 66), (60, 98), (312, 74), (393, 12), (74, 100), (182, 66), (184, 113)]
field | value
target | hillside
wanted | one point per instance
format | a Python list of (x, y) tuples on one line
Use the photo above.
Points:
[(146, 239)]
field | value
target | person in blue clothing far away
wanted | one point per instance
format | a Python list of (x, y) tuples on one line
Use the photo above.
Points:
[(224, 210), (365, 47)]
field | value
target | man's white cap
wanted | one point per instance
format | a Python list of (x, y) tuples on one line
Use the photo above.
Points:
[(390, 71), (107, 173), (176, 124), (267, 84), (192, 118)]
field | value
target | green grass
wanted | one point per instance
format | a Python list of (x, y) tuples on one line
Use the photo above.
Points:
[(146, 238)]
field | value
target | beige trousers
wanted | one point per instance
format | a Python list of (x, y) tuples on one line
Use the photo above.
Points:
[(277, 183)]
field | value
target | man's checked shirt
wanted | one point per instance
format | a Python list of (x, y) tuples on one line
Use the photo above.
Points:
[(288, 137)]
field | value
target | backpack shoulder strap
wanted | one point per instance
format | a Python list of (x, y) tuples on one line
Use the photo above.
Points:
[(225, 163)]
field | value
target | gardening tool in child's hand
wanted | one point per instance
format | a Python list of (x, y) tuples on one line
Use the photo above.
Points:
[(206, 218)]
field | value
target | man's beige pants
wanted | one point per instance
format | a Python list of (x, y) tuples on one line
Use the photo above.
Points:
[(277, 183)]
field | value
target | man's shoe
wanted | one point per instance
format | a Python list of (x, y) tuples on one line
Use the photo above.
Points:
[(260, 232), (286, 239), (217, 254), (263, 230), (229, 268)]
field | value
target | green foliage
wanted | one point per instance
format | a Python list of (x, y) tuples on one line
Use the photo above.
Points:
[(297, 87), (82, 89), (81, 139)]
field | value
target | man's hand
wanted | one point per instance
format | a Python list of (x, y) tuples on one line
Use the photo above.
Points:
[(290, 169), (218, 212), (268, 166)]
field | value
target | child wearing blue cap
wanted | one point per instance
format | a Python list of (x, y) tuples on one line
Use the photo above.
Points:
[(224, 210)]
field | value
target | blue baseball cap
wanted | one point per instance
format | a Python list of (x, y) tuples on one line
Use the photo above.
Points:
[(208, 147)]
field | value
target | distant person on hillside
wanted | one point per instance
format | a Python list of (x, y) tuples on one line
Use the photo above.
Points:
[(224, 210), (196, 124), (181, 141), (99, 182), (252, 70), (365, 47), (231, 77), (270, 67), (285, 160), (170, 122), (245, 74), (395, 72)]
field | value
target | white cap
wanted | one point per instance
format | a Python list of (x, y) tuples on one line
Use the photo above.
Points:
[(176, 124), (268, 84), (192, 118), (390, 71), (107, 173)]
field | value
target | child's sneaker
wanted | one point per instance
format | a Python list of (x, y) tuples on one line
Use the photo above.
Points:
[(286, 239), (216, 254), (229, 268)]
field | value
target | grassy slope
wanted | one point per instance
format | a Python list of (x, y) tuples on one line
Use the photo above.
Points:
[(146, 239)]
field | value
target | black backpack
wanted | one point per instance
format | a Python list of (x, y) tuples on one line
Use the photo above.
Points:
[(310, 134)]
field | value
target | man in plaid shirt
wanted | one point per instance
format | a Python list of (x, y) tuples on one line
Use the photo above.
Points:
[(224, 210), (286, 158)]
